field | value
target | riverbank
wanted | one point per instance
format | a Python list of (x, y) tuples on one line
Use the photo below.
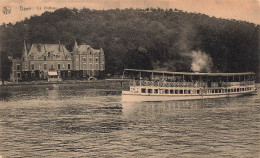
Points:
[(45, 82), (108, 84)]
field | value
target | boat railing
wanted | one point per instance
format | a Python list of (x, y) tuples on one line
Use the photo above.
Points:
[(188, 84)]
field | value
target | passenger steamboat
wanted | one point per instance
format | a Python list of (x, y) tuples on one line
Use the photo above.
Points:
[(149, 85)]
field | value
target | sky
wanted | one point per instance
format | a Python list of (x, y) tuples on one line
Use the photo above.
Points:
[(246, 10)]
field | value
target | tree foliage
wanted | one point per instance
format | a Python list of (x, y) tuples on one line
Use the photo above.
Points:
[(167, 36), (6, 67)]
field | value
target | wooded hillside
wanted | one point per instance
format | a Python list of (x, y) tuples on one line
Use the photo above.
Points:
[(146, 39)]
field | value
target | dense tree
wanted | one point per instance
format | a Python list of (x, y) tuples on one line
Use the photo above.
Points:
[(6, 67), (167, 36)]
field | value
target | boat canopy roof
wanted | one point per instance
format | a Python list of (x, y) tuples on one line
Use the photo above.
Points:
[(193, 73)]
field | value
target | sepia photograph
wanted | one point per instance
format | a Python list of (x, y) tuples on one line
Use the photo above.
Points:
[(129, 78)]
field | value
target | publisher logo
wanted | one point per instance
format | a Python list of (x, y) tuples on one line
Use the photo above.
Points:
[(6, 10)]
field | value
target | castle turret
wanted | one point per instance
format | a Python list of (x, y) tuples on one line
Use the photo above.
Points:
[(25, 53), (75, 46)]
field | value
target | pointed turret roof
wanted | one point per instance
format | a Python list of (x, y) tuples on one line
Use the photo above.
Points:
[(75, 46), (25, 53)]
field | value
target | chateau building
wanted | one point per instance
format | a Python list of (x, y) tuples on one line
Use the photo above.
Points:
[(39, 59)]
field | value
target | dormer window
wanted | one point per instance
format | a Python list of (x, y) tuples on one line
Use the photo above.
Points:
[(38, 48)]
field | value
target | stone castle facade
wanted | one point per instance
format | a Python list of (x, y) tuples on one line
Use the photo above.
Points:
[(39, 59)]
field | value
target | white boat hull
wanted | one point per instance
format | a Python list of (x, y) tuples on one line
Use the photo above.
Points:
[(128, 96)]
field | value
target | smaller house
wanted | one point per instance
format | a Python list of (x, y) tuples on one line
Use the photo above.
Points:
[(53, 76)]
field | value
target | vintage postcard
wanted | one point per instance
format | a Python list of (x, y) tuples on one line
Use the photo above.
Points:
[(129, 78)]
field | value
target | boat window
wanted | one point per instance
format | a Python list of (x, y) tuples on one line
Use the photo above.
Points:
[(198, 91), (171, 91), (212, 91), (216, 90), (237, 89), (228, 90), (176, 91), (185, 91), (189, 92), (156, 91), (243, 89), (150, 90), (166, 91), (250, 88), (143, 90), (161, 91), (181, 91)]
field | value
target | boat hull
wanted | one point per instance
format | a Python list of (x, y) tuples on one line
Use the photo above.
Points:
[(137, 97)]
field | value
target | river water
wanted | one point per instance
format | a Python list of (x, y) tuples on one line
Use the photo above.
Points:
[(71, 121)]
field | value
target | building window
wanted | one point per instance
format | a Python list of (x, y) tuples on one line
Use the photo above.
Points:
[(84, 59), (68, 66), (45, 66), (52, 67), (18, 74), (33, 75), (96, 59), (84, 66), (90, 59), (58, 66), (26, 66), (18, 67), (32, 66), (90, 66)]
